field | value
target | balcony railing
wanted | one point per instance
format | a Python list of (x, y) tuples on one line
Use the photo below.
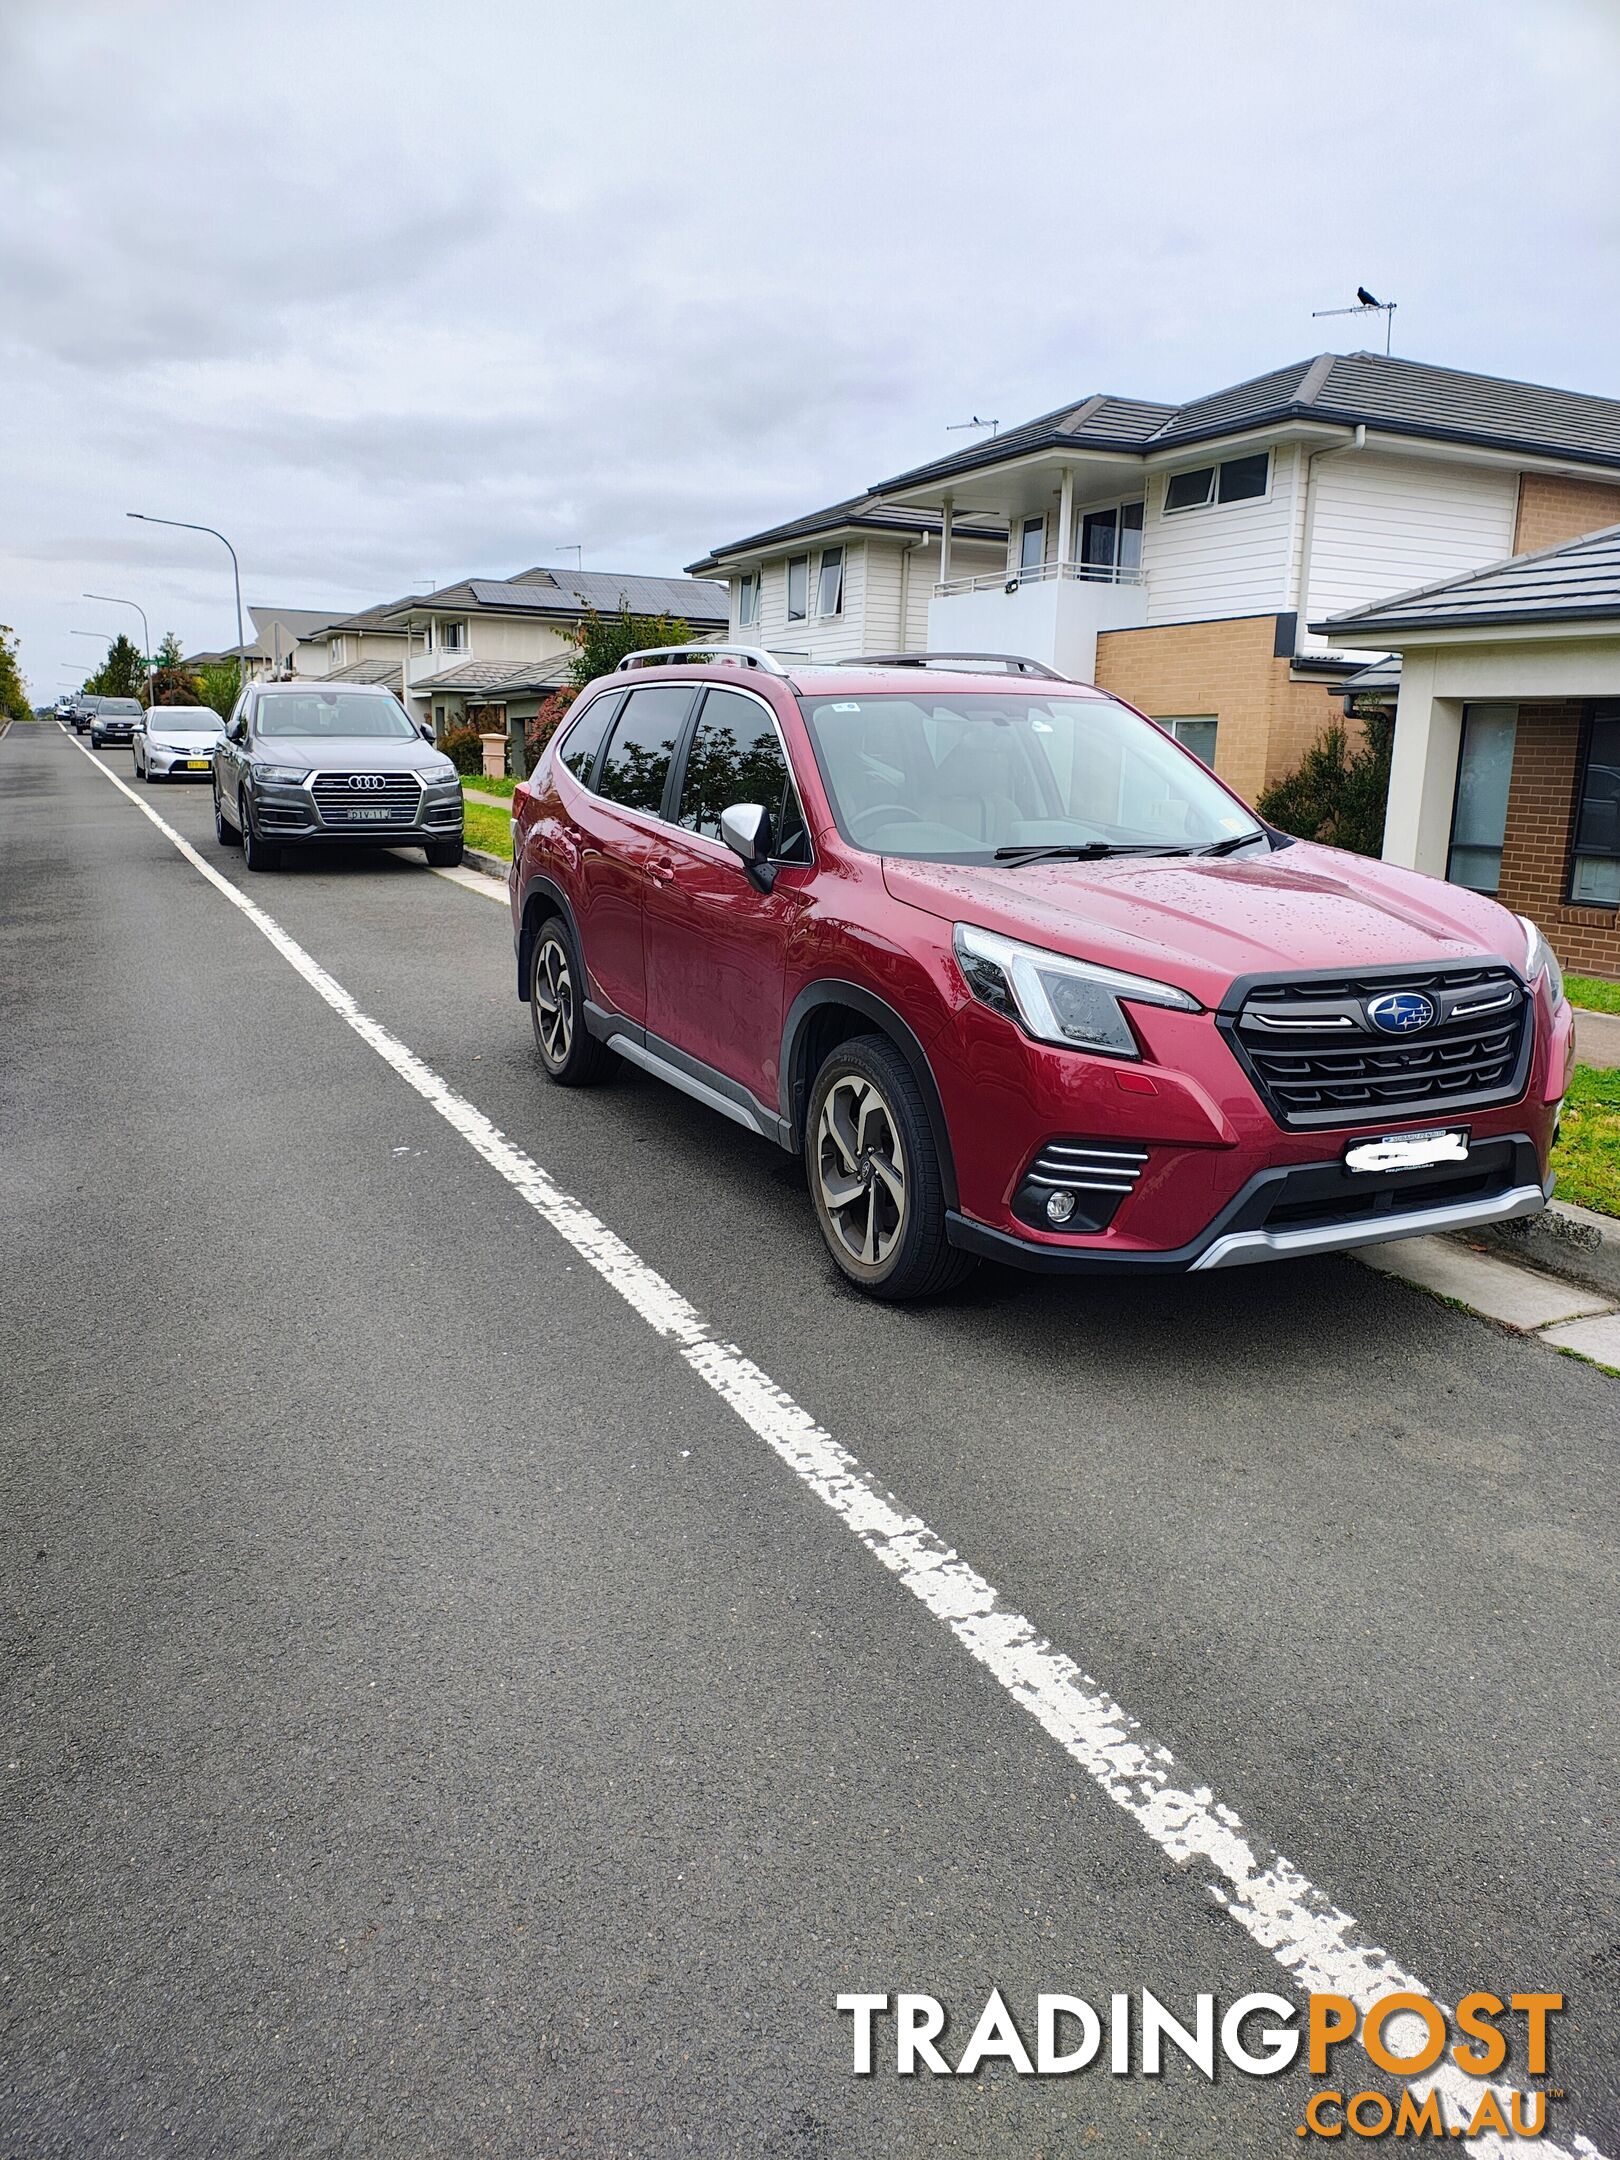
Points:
[(1043, 573)]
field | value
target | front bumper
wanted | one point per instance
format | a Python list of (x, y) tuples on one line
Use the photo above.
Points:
[(1295, 1211), (288, 813)]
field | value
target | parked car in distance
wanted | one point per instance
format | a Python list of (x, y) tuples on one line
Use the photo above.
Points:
[(81, 711), (1017, 975), (176, 742), (309, 765), (115, 719)]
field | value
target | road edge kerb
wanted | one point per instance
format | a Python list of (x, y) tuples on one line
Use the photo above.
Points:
[(1565, 1240), (496, 866)]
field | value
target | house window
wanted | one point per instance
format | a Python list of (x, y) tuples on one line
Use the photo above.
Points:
[(830, 584), (453, 636), (1479, 811), (748, 600), (1236, 480), (1195, 733), (1111, 541), (1032, 546), (334, 652), (1595, 878), (427, 637), (798, 587)]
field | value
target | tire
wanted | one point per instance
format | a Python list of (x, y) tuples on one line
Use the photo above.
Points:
[(444, 854), (571, 1055), (874, 1175), (226, 834), (257, 854)]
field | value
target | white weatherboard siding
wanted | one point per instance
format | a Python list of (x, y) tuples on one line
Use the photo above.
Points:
[(887, 588), (1230, 559), (1382, 524)]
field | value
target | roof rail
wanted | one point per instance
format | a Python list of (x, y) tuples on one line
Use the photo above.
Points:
[(963, 662), (700, 649)]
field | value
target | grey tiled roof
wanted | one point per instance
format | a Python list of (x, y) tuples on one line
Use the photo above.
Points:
[(1575, 582), (857, 512), (386, 672), (493, 678), (372, 618), (571, 592), (1403, 397)]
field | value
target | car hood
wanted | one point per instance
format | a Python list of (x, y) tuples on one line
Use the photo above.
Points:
[(347, 753), (1200, 925)]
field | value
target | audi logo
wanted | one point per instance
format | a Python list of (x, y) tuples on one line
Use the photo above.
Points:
[(366, 780)]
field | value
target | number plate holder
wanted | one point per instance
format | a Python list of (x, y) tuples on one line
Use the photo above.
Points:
[(1407, 1151)]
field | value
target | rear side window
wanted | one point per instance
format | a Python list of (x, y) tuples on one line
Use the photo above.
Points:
[(736, 757), (643, 742), (583, 737)]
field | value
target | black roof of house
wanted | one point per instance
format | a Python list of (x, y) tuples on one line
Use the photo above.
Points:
[(1577, 581), (1401, 397), (857, 513)]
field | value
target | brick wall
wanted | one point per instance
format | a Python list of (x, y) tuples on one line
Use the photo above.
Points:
[(1535, 849), (1552, 510), (1267, 723)]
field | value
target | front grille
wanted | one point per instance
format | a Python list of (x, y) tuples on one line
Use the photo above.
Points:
[(338, 796), (1317, 1058)]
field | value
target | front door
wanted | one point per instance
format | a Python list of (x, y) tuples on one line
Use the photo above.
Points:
[(716, 945)]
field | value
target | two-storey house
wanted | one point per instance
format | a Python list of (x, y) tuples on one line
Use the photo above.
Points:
[(485, 650), (1177, 554)]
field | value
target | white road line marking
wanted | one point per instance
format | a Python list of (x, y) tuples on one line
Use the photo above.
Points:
[(476, 881), (1266, 1895)]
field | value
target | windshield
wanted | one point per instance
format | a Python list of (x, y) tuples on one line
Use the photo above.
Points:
[(965, 775), (326, 714), (119, 705), (182, 719)]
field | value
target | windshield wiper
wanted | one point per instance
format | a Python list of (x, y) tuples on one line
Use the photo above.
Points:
[(1086, 851), (1242, 839)]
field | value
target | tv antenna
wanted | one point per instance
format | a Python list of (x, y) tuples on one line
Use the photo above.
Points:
[(1366, 305), (572, 547), (955, 427)]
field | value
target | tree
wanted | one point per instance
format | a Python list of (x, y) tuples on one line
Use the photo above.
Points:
[(602, 641), (1339, 794), (14, 703), (217, 685), (173, 682), (121, 674)]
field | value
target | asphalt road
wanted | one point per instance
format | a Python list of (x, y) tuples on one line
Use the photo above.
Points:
[(434, 1723)]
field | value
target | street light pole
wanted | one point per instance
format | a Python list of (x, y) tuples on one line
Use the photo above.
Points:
[(183, 525), (146, 638)]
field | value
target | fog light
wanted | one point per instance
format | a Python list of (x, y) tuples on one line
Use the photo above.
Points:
[(1060, 1207)]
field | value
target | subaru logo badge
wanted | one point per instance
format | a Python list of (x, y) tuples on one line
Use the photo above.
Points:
[(1401, 1012)]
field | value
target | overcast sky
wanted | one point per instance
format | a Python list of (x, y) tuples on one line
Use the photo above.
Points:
[(408, 292)]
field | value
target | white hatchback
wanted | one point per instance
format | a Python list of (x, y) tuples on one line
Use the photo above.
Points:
[(176, 742)]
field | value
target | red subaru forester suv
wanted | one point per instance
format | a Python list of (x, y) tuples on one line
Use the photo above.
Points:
[(1017, 974)]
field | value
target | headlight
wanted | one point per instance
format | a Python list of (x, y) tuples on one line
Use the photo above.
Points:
[(444, 775), (293, 775), (1056, 999), (1539, 956)]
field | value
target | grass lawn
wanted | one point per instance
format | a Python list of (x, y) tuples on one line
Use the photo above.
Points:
[(481, 786), (488, 829), (1594, 995), (1587, 1157)]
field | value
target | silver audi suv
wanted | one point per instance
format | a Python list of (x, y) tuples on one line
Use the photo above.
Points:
[(307, 764)]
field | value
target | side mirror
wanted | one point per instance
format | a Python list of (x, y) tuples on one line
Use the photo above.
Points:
[(746, 830), (425, 727)]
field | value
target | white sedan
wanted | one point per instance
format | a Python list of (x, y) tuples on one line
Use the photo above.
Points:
[(176, 742)]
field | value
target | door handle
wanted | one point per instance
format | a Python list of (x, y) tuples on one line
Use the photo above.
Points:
[(662, 867)]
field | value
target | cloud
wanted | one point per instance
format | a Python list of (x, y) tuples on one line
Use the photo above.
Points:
[(387, 293)]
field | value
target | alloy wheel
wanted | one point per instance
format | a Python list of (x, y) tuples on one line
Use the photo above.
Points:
[(861, 1169), (553, 1001)]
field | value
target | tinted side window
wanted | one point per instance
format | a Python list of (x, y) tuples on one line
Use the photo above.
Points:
[(736, 757), (582, 738), (643, 742)]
